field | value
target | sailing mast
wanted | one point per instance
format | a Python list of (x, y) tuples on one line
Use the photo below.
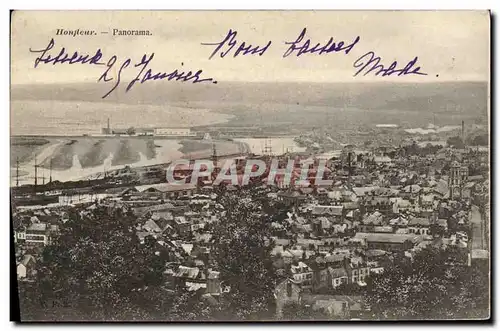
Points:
[(36, 174), (17, 172), (50, 169)]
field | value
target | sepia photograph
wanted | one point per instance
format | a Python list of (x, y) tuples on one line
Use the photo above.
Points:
[(250, 166)]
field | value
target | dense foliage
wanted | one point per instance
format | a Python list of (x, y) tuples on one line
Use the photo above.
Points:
[(98, 270), (97, 267), (436, 285), (241, 251)]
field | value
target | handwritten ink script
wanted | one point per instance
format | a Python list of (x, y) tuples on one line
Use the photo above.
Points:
[(229, 46), (144, 73), (230, 41), (370, 62), (300, 48), (365, 64)]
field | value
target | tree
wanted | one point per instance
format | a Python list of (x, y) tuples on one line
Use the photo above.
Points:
[(455, 142), (436, 230), (241, 253), (436, 285), (189, 306), (298, 312), (99, 264)]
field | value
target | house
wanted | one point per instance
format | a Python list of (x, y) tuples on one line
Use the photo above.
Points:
[(321, 225), (476, 178), (180, 225), (427, 201), (382, 160), (336, 260), (170, 190), (370, 221), (308, 243), (337, 276), (162, 209), (302, 274), (375, 254), (151, 226), (350, 206), (287, 257), (335, 213), (184, 275), (37, 234), (378, 203), (363, 191), (411, 191), (441, 188), (335, 195), (419, 225), (26, 268), (213, 282), (387, 241), (329, 243), (339, 228), (291, 198), (358, 271), (402, 206), (306, 229), (383, 229), (198, 225), (399, 221)]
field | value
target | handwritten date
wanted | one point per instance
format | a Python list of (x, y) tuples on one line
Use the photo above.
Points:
[(145, 73)]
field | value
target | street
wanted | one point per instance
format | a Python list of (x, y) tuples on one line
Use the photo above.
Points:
[(478, 229)]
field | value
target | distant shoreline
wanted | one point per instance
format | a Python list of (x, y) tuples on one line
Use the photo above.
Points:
[(99, 137)]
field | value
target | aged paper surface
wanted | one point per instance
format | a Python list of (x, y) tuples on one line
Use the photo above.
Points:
[(250, 165)]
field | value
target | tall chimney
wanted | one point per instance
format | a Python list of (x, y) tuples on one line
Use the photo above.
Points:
[(108, 125), (463, 132)]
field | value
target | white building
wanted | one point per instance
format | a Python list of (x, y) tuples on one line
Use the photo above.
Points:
[(174, 132), (302, 274), (37, 233)]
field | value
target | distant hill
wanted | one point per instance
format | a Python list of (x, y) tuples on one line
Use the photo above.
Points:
[(470, 97)]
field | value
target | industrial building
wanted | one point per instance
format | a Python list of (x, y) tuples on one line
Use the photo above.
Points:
[(162, 132), (174, 132)]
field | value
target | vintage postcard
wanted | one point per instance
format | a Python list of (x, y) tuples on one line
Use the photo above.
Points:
[(250, 165)]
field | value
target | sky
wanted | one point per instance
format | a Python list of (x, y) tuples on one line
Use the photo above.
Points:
[(450, 45)]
